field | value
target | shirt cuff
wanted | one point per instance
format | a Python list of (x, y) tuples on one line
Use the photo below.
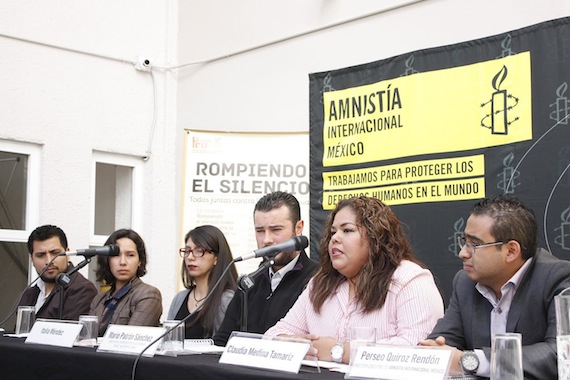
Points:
[(484, 369)]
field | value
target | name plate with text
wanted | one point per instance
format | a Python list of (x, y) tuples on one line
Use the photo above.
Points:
[(61, 334), (127, 339), (278, 355), (399, 363)]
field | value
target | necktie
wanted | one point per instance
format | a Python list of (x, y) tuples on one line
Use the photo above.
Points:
[(110, 306)]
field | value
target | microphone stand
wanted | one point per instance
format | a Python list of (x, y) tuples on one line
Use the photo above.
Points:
[(63, 279), (244, 284), (28, 287), (168, 330)]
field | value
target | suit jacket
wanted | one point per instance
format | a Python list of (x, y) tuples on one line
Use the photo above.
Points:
[(466, 323), (141, 306), (77, 297)]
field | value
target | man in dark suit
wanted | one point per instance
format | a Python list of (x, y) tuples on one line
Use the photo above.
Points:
[(507, 284), (276, 218)]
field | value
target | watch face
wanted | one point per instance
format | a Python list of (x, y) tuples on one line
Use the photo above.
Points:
[(469, 361), (336, 352)]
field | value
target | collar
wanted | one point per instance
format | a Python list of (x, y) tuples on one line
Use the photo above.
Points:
[(287, 268), (514, 282), (42, 286), (121, 292)]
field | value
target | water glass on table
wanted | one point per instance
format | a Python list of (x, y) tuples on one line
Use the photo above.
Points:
[(361, 336), (25, 319), (562, 305), (506, 357), (174, 339), (89, 330)]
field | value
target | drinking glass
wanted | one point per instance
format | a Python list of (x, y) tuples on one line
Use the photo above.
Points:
[(174, 340), (562, 305), (506, 357), (361, 336), (25, 319)]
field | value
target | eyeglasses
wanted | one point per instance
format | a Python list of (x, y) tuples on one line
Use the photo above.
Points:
[(471, 247), (196, 252)]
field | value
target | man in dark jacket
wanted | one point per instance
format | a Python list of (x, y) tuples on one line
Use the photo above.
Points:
[(277, 218), (507, 284), (46, 245)]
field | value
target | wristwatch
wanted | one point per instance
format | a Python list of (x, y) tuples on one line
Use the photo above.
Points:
[(469, 362), (337, 352)]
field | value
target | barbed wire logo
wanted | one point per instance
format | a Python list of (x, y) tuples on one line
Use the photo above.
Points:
[(458, 227), (508, 175), (409, 64), (501, 103), (327, 87)]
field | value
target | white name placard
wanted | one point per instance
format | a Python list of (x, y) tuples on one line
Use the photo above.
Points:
[(399, 363), (276, 355), (126, 339), (60, 334)]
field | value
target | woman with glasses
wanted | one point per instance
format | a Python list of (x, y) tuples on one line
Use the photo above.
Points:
[(129, 301), (206, 255)]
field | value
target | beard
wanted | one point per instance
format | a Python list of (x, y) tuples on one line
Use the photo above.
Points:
[(50, 278), (284, 258), (47, 279)]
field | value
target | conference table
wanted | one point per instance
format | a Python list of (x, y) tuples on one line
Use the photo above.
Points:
[(19, 360)]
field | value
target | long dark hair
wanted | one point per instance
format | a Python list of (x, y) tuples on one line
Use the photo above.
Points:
[(212, 240), (388, 246), (103, 272)]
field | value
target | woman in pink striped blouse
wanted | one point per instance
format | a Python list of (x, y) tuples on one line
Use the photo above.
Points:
[(367, 276)]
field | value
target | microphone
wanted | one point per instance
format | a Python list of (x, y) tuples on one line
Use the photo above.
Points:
[(246, 281), (64, 278), (294, 244), (107, 250)]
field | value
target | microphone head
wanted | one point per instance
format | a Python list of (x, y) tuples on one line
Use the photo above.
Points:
[(113, 250), (301, 242)]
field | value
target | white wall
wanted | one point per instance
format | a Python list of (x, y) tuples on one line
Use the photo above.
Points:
[(75, 103), (68, 83), (267, 88)]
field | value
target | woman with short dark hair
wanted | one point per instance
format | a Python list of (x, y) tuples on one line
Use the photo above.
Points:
[(129, 301)]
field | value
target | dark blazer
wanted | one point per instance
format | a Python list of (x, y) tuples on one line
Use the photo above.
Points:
[(466, 323), (265, 308), (77, 297)]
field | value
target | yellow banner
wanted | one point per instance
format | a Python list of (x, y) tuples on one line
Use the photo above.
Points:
[(440, 191), (427, 170), (462, 108)]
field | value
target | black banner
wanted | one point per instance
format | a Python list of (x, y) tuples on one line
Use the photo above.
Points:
[(432, 131)]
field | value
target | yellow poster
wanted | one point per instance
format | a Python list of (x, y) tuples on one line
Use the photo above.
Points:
[(450, 110)]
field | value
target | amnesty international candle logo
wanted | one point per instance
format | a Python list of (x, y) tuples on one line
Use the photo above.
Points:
[(508, 175), (506, 46), (563, 237), (327, 87), (501, 103), (409, 63), (560, 107), (458, 227)]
